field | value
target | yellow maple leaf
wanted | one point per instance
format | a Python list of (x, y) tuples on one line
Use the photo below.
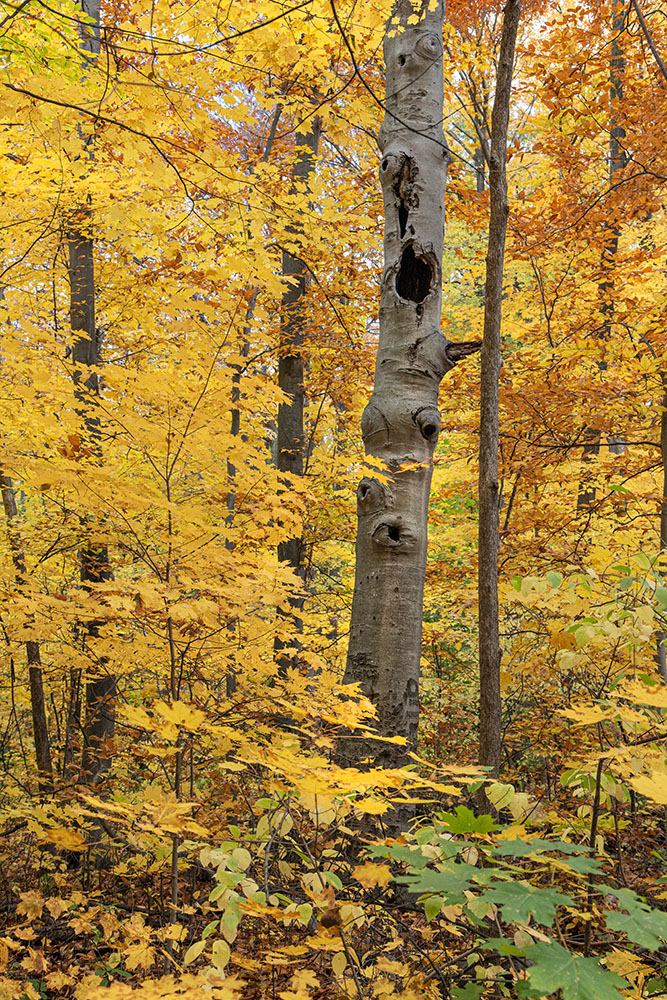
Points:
[(69, 840), (181, 714), (374, 807), (644, 694), (371, 874), (138, 956), (31, 905), (653, 786)]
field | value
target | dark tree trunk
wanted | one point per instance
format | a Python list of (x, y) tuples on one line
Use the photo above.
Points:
[(98, 725), (291, 444), (38, 709), (617, 159), (490, 707), (99, 717)]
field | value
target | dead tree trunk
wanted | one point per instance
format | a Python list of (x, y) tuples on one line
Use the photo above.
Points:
[(38, 709), (489, 526), (401, 423)]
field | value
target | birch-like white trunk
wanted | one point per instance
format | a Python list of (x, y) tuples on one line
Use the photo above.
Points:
[(401, 423)]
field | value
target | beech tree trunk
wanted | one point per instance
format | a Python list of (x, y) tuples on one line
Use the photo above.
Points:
[(401, 423), (38, 709), (490, 705)]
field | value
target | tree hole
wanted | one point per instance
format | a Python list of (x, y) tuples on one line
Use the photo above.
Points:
[(401, 60), (413, 280), (420, 310), (393, 533), (402, 219), (429, 430)]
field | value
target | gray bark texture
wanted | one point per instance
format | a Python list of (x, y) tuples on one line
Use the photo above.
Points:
[(490, 706), (94, 566), (401, 423), (40, 728), (617, 160), (291, 444), (94, 563)]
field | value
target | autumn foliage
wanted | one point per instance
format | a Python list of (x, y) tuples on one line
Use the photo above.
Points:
[(194, 835)]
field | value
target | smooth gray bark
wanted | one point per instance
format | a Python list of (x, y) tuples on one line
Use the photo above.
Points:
[(37, 705), (401, 423), (490, 704)]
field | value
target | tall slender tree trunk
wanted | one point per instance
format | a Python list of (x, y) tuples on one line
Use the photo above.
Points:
[(661, 636), (40, 728), (401, 423), (291, 444), (617, 160), (490, 706), (99, 718)]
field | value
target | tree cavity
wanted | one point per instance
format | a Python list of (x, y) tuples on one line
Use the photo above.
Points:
[(404, 192), (415, 274)]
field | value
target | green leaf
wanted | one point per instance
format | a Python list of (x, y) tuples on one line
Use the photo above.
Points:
[(524, 848), (432, 907), (579, 978), (645, 926), (465, 821), (450, 882), (470, 992), (555, 579), (519, 900), (502, 946), (661, 596), (582, 866), (400, 853)]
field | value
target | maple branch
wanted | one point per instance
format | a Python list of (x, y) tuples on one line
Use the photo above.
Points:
[(182, 46), (649, 39), (17, 11), (96, 116)]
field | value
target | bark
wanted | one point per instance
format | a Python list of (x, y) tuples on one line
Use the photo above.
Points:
[(490, 705), (479, 171), (99, 718), (235, 428), (94, 566), (401, 423), (291, 443), (40, 728), (661, 636), (592, 436)]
